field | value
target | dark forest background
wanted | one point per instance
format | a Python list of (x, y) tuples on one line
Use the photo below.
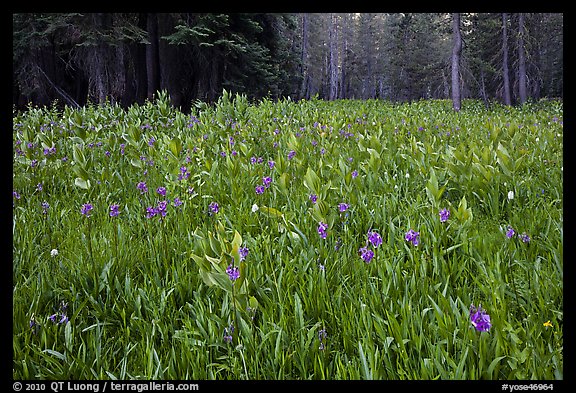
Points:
[(127, 58)]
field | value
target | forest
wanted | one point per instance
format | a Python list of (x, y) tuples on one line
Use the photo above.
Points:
[(127, 58), (277, 196)]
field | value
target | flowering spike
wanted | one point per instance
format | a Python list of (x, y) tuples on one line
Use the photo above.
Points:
[(480, 319)]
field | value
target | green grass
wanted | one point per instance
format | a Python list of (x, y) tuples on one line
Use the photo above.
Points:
[(149, 298)]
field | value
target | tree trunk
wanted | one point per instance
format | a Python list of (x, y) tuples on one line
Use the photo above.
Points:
[(333, 65), (368, 42), (344, 51), (304, 86), (505, 69), (152, 56), (521, 59), (456, 53)]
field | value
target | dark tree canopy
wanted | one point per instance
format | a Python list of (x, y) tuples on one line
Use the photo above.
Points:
[(127, 58)]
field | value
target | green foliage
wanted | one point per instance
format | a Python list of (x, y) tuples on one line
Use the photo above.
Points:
[(150, 297)]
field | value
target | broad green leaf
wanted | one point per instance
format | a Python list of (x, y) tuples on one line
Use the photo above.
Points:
[(270, 211), (312, 181), (84, 184)]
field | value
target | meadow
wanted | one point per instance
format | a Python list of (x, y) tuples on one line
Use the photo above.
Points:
[(288, 239)]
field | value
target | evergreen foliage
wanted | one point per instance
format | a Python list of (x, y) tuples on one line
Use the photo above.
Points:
[(126, 58)]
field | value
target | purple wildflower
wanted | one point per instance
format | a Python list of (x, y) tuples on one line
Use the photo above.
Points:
[(243, 252), (510, 232), (342, 207), (291, 154), (184, 174), (413, 237), (524, 237), (177, 202), (375, 238), (228, 336), (142, 187), (260, 189), (267, 180), (444, 215), (366, 254), (271, 164), (313, 198), (161, 191), (354, 174), (321, 337), (322, 227), (151, 212), (233, 272), (214, 208), (480, 320), (45, 207), (114, 210), (161, 208), (86, 209)]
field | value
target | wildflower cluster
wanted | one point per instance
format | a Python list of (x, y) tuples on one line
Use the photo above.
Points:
[(159, 209), (58, 318), (373, 239), (184, 174), (266, 182), (510, 233)]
